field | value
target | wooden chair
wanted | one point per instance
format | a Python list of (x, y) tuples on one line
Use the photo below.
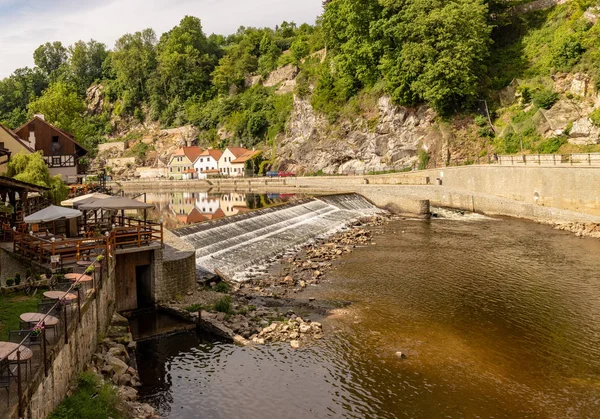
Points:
[(7, 232)]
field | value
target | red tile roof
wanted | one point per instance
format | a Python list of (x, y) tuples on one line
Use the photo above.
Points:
[(191, 153), (237, 151), (246, 156), (215, 154)]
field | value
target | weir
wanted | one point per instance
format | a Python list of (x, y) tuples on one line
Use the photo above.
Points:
[(229, 245)]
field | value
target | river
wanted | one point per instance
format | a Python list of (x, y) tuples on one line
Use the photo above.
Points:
[(497, 317)]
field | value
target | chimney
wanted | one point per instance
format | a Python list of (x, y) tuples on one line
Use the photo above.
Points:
[(32, 140), (40, 115)]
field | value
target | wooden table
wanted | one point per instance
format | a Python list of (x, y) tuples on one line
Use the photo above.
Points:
[(38, 317), (7, 347), (80, 277), (58, 295)]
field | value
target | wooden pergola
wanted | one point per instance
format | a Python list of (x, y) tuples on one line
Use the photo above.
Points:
[(15, 190)]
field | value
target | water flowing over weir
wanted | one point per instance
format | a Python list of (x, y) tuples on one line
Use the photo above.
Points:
[(232, 244)]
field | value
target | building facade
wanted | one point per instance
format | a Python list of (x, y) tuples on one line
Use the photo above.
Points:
[(60, 150), (182, 161), (207, 163)]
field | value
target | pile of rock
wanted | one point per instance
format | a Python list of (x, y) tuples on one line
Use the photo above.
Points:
[(112, 364), (580, 229), (293, 330)]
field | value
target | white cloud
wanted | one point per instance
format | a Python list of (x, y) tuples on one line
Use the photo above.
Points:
[(27, 24)]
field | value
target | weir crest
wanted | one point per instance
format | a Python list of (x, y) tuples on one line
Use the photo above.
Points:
[(229, 245)]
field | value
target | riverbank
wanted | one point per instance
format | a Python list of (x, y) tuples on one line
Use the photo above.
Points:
[(269, 307)]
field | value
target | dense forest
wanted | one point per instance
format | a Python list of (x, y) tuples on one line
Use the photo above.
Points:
[(445, 53)]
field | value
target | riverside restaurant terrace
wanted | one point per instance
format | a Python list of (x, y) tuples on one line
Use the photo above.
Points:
[(58, 237)]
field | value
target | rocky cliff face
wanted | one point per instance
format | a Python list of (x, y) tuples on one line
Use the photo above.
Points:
[(388, 140)]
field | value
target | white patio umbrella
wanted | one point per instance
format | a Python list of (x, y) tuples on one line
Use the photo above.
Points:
[(52, 213)]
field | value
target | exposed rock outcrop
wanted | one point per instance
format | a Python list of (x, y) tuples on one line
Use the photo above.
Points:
[(282, 74), (388, 140), (94, 97)]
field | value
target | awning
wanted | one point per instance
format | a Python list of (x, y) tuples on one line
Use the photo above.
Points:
[(84, 199), (52, 213), (115, 203)]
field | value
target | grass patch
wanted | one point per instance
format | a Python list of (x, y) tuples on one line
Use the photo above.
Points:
[(222, 287), (223, 304), (12, 306), (91, 401)]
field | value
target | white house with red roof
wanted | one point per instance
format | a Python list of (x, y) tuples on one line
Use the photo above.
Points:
[(233, 161), (207, 163)]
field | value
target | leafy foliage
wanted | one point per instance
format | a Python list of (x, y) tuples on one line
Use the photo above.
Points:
[(545, 98), (31, 168), (91, 400)]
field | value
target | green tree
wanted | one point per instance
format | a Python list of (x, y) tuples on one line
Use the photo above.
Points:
[(85, 63), (133, 62), (61, 106), (50, 56), (32, 168), (185, 61), (16, 91), (434, 51)]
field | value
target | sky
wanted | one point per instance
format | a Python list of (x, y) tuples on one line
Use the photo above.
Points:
[(26, 24)]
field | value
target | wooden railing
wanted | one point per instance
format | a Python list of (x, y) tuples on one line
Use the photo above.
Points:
[(128, 232), (58, 252)]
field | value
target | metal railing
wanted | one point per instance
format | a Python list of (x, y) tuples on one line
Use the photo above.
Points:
[(574, 159), (65, 311)]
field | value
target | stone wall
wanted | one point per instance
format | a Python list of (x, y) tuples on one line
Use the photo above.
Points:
[(67, 361), (119, 146), (176, 269)]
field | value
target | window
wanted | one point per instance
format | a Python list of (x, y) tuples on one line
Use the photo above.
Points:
[(55, 161), (54, 140), (201, 160), (1, 145), (179, 169)]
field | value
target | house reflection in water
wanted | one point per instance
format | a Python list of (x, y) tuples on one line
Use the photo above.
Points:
[(183, 208)]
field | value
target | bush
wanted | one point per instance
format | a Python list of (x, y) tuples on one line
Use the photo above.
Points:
[(222, 287), (17, 278), (545, 98), (551, 145), (480, 120), (223, 304), (91, 401), (10, 282), (194, 308), (595, 117), (423, 159)]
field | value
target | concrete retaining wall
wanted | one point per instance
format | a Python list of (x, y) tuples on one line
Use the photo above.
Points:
[(567, 188)]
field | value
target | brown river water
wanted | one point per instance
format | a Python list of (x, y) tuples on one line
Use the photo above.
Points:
[(498, 318)]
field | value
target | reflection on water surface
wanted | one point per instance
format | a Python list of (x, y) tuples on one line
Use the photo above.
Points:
[(178, 209), (498, 319)]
